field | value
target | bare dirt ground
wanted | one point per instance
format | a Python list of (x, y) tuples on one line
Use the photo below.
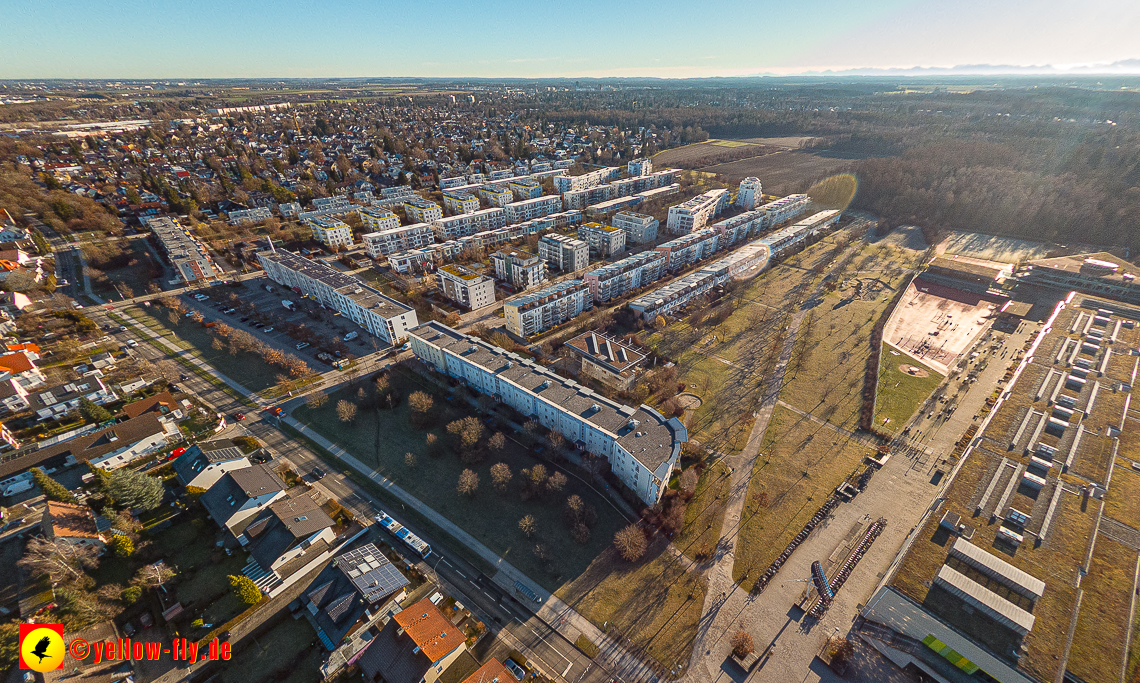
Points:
[(784, 171), (1004, 249), (904, 236), (926, 308), (794, 142), (705, 153)]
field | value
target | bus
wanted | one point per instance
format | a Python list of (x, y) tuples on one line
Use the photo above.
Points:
[(399, 531)]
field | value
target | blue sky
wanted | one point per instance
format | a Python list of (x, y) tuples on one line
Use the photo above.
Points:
[(494, 38)]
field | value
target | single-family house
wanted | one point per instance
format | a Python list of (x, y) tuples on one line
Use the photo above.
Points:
[(73, 524), (204, 463), (354, 591), (237, 496), (416, 646), (64, 398), (286, 535)]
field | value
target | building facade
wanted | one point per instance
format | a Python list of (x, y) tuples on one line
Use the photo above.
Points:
[(421, 210), (527, 209), (459, 203), (466, 287), (525, 189), (398, 239), (641, 446), (455, 227), (331, 232), (564, 253), (548, 307), (380, 315), (638, 227), (632, 272), (378, 220), (750, 194), (521, 269), (694, 213), (604, 240), (639, 167)]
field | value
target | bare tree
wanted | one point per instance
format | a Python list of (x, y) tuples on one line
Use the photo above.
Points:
[(688, 481), (468, 482), (501, 475), (316, 399), (168, 370), (742, 645), (630, 543), (557, 441), (346, 410), (410, 459), (528, 525), (556, 482), (497, 442), (420, 401), (58, 559), (152, 575)]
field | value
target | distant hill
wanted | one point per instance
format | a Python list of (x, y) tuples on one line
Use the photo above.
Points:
[(1125, 66)]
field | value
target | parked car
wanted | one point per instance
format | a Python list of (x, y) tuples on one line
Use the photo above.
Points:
[(239, 416), (302, 345), (267, 330), (515, 669), (318, 473)]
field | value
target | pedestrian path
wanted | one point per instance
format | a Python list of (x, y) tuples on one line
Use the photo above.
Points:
[(548, 607)]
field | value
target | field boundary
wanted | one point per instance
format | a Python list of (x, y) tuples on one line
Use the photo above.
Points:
[(875, 361)]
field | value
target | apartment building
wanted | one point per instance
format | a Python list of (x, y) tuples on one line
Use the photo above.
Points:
[(186, 254), (332, 204), (638, 227), (587, 196), (547, 308), (247, 216), (750, 193), (496, 196), (604, 240), (331, 232), (569, 183), (397, 192), (377, 220), (747, 261), (380, 315), (527, 188), (466, 287), (528, 209), (607, 360), (521, 269), (626, 187), (688, 249), (450, 183), (642, 447), (784, 209), (694, 213), (639, 167), (459, 203), (615, 280), (564, 253), (398, 239), (422, 210), (455, 227)]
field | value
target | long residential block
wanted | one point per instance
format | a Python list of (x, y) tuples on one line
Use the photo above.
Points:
[(641, 445), (632, 272), (532, 208), (380, 315), (694, 213), (454, 227), (190, 259), (398, 239), (548, 307)]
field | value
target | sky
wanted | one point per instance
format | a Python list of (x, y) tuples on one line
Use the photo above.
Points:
[(572, 38)]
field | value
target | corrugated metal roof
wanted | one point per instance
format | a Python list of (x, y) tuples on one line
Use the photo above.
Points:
[(980, 597)]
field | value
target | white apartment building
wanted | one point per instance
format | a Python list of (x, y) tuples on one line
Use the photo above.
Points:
[(458, 203), (381, 316), (496, 196), (397, 192), (449, 183), (186, 254), (638, 227), (604, 240), (525, 189), (398, 239), (247, 216), (642, 447), (745, 262), (332, 204), (695, 213), (466, 287), (567, 183), (750, 193), (455, 227), (688, 249), (377, 220), (639, 167), (564, 253), (521, 269), (289, 209), (632, 272), (331, 232), (784, 209), (547, 308), (422, 210), (538, 207), (588, 196)]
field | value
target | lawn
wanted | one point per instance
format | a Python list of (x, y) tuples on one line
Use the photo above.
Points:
[(900, 393), (654, 602), (381, 438), (247, 369), (136, 275), (1102, 627), (1122, 502), (290, 646), (800, 464), (704, 515)]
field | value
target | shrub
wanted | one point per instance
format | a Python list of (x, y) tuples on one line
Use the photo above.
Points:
[(53, 490), (131, 595), (122, 546), (245, 589)]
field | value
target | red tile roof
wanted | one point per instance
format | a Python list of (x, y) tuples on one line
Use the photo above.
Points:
[(429, 629)]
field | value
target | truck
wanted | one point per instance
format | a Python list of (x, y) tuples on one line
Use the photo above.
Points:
[(289, 304)]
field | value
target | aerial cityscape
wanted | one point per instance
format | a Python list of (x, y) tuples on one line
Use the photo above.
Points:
[(570, 369)]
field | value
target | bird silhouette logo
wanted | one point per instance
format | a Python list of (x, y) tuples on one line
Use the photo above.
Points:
[(41, 647)]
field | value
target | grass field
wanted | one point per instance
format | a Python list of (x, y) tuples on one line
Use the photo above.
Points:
[(1102, 626), (380, 439), (704, 515), (783, 172), (290, 646), (654, 601), (246, 369), (708, 153), (799, 466), (900, 394)]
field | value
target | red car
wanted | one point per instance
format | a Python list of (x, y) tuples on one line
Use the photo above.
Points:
[(239, 416)]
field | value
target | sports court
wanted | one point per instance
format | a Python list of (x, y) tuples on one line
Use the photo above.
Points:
[(935, 324)]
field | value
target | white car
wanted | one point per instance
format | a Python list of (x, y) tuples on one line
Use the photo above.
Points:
[(302, 345), (267, 330), (132, 343)]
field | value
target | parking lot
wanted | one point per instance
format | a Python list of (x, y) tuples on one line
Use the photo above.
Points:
[(307, 330)]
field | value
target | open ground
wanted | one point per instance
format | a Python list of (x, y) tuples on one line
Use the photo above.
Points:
[(783, 171), (934, 324)]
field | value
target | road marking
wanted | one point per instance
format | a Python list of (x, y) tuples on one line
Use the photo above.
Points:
[(459, 572), (488, 595), (568, 666)]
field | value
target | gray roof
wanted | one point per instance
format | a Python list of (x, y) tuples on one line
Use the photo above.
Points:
[(201, 455), (239, 486), (340, 597), (88, 446), (394, 657), (286, 523), (985, 600), (997, 568)]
